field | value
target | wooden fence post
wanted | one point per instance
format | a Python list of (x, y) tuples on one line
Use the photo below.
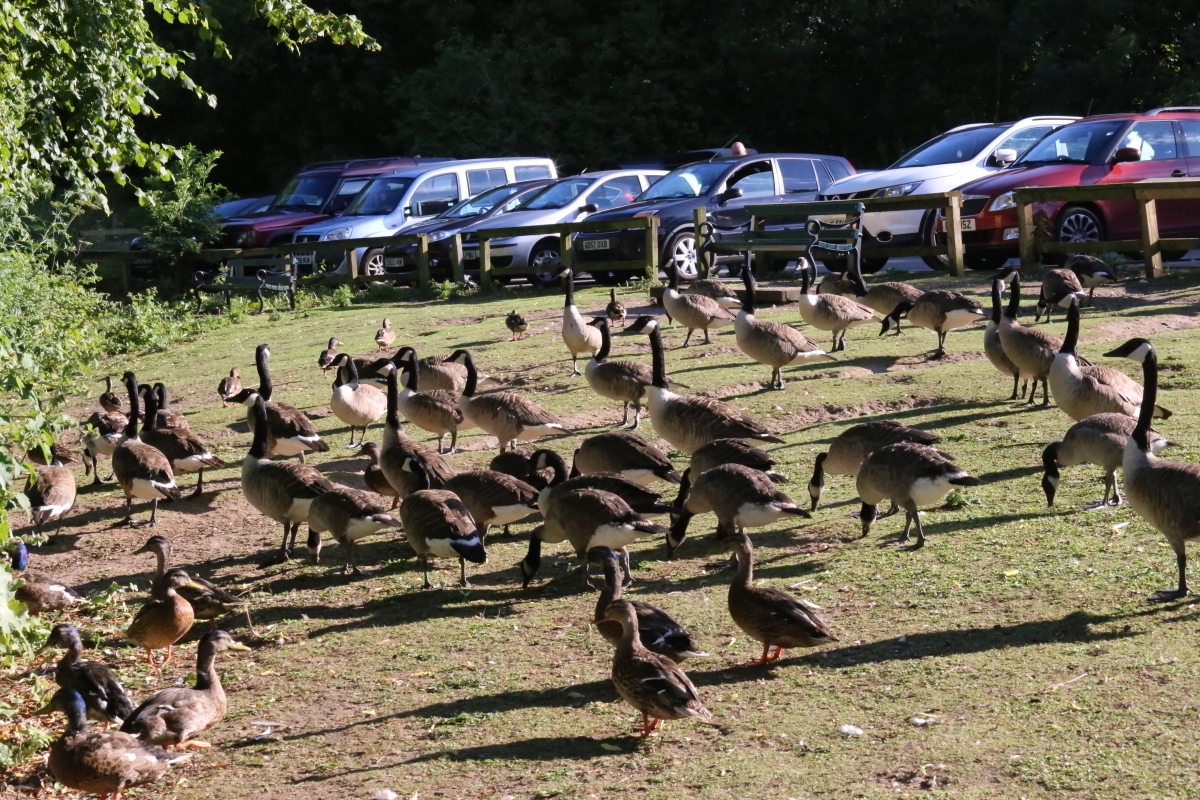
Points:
[(566, 251), (422, 261), (1151, 255), (1026, 235), (485, 260), (954, 245), (456, 258), (352, 263), (651, 245), (703, 262)]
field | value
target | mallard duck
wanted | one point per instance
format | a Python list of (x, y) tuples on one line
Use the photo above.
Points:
[(109, 400), (51, 488), (171, 718), (102, 693), (770, 616), (37, 591), (210, 603), (373, 475), (385, 335), (517, 325), (658, 632), (328, 355), (615, 310), (165, 619), (229, 386), (105, 763), (651, 683)]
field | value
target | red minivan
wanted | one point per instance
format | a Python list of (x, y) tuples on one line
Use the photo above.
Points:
[(1111, 148), (315, 193)]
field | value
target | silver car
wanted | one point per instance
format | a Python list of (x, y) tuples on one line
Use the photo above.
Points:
[(566, 200)]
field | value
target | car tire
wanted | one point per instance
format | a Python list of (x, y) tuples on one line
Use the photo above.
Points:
[(545, 254), (681, 249), (371, 263), (609, 277), (929, 238), (872, 265), (1076, 224)]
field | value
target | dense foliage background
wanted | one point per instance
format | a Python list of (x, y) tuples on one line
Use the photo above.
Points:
[(588, 83)]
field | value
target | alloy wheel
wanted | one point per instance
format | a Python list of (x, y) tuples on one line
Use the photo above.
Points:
[(683, 255)]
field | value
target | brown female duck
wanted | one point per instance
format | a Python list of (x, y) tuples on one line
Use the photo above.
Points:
[(210, 603), (659, 633), (165, 619)]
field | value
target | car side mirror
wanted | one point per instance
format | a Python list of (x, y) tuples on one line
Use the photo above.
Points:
[(1124, 155), (1005, 156), (729, 194), (588, 208)]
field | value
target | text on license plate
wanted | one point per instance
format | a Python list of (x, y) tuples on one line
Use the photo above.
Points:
[(966, 224), (595, 244), (834, 220), (393, 262), (303, 258), (470, 255)]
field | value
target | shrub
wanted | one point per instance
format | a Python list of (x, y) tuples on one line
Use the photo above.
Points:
[(342, 297)]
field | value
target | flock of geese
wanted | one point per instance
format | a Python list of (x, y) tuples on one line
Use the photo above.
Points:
[(600, 501)]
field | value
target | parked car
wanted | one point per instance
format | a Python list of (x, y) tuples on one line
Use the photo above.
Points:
[(724, 187), (670, 161), (390, 204), (401, 259), (1111, 148), (241, 206), (566, 200), (315, 193), (943, 163)]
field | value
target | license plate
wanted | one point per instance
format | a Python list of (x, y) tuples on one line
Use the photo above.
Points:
[(470, 255), (304, 259), (596, 244), (834, 220), (393, 262), (966, 224)]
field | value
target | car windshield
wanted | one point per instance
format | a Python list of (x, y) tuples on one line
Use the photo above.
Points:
[(951, 148), (379, 198), (557, 195), (1081, 143), (693, 180), (305, 192), (480, 203)]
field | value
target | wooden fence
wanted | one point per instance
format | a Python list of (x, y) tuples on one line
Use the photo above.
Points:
[(648, 265)]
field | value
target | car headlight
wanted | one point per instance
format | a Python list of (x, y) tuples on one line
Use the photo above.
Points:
[(245, 238), (1003, 202), (437, 236), (645, 214), (899, 190), (337, 234)]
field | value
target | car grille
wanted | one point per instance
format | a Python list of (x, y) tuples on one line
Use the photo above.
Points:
[(977, 237), (852, 196), (308, 237), (973, 205)]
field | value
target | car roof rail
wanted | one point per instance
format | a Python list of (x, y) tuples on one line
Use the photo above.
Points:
[(1170, 109), (325, 164), (1053, 116), (971, 125)]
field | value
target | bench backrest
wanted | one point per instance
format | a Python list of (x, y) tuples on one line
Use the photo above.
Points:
[(247, 268)]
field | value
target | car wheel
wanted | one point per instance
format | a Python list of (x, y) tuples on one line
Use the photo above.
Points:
[(681, 250), (1078, 224), (372, 262), (929, 238), (542, 257), (872, 265), (1174, 255)]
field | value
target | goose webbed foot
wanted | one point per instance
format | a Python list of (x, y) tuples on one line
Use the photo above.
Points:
[(1164, 595), (282, 557)]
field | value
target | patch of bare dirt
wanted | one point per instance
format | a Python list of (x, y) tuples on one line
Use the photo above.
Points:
[(830, 412), (1147, 326)]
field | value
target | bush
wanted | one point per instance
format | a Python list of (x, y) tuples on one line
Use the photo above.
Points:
[(178, 218), (342, 297)]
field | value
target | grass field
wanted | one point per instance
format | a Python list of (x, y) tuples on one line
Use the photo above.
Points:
[(1016, 655)]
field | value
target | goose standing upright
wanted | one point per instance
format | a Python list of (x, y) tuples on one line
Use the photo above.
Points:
[(289, 431), (911, 475), (398, 448), (505, 415), (163, 416), (830, 312), (771, 343), (692, 311), (687, 422), (354, 403), (993, 348), (142, 471), (186, 451), (942, 311), (1164, 493), (579, 338), (436, 411), (623, 381), (1099, 439), (1032, 351)]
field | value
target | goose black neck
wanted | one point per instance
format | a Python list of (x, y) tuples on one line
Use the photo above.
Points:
[(206, 665), (569, 281), (1141, 433), (148, 417), (131, 387), (1014, 301), (748, 300), (685, 484), (658, 358), (421, 474), (393, 401), (612, 584), (605, 341), (412, 382), (860, 286), (351, 371), (997, 300), (160, 394), (556, 462), (472, 375), (1071, 340), (805, 279), (672, 275), (258, 448), (265, 387)]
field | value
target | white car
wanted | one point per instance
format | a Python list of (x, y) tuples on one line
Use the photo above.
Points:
[(943, 163)]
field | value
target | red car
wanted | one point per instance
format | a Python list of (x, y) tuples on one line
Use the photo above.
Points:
[(1110, 148), (316, 193)]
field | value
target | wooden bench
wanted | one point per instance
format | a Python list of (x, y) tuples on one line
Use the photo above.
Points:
[(275, 275), (840, 239)]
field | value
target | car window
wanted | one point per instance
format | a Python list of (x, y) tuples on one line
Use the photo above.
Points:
[(480, 180), (434, 195), (1154, 140), (798, 175), (306, 192), (532, 173), (755, 180), (517, 200), (1191, 136), (557, 195), (690, 181), (837, 168), (616, 192), (951, 148), (480, 203), (379, 198), (1080, 143), (1024, 139)]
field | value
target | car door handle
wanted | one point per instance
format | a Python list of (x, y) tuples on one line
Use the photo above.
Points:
[(1178, 173)]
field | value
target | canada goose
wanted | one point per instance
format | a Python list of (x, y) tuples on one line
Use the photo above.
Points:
[(654, 685), (354, 403), (348, 515), (623, 381), (519, 464), (209, 602), (437, 523), (281, 490), (771, 616), (40, 592), (51, 488), (579, 338), (1164, 493), (717, 290), (735, 451), (328, 355), (911, 475), (385, 335), (615, 310), (830, 312), (290, 432), (186, 451), (165, 417), (833, 283), (142, 470), (1059, 287), (102, 434), (640, 498), (625, 454), (1099, 439), (772, 343), (994, 349), (439, 373), (172, 717), (229, 386), (889, 300), (494, 498), (658, 631), (95, 681), (851, 447), (435, 411), (109, 400), (164, 619), (373, 476), (1082, 390), (1092, 272), (739, 496), (516, 324), (688, 422), (693, 311), (942, 311), (1031, 350), (505, 415), (398, 448)]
